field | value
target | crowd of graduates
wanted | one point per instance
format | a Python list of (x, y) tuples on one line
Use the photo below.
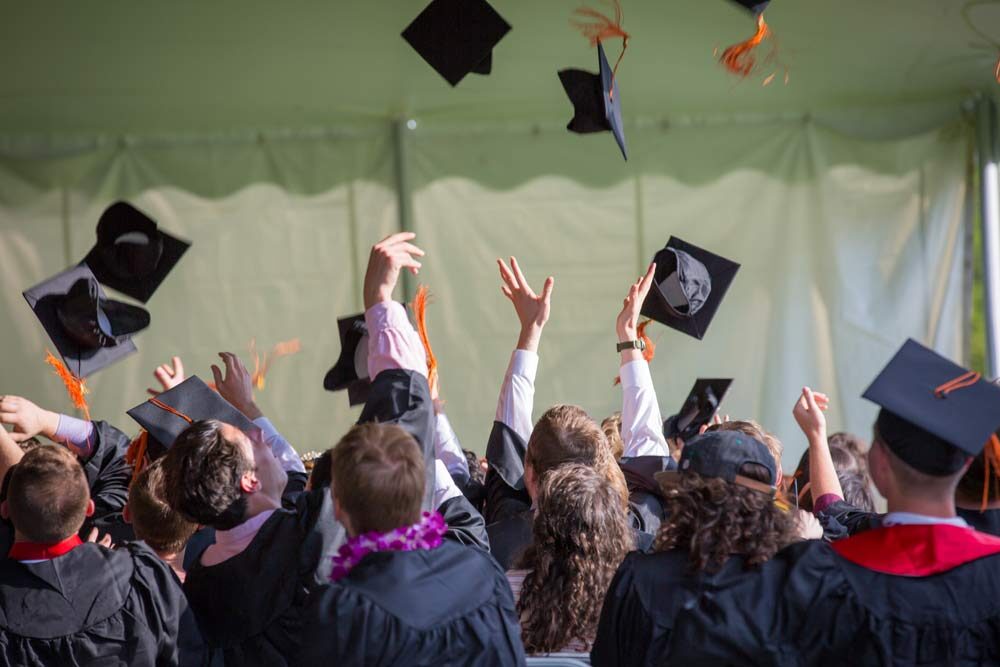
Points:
[(630, 540)]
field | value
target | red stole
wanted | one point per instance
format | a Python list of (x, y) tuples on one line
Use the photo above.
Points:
[(914, 550), (38, 551)]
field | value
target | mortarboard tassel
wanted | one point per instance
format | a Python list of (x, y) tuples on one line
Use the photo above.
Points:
[(280, 350), (419, 306), (76, 387), (135, 456), (650, 350), (599, 27), (739, 58)]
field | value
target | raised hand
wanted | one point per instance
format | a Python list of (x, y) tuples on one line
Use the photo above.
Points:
[(808, 413), (388, 257), (237, 385), (532, 309), (95, 536), (169, 376), (627, 324), (27, 418)]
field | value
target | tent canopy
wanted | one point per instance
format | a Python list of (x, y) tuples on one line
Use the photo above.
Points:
[(276, 137)]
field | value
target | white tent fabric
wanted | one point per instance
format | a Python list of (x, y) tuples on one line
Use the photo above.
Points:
[(848, 246)]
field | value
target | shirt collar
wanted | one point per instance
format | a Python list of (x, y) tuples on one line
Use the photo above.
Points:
[(911, 519)]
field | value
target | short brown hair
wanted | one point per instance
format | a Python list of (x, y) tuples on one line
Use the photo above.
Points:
[(564, 434), (612, 427), (153, 520), (756, 431), (378, 477), (202, 472), (47, 494)]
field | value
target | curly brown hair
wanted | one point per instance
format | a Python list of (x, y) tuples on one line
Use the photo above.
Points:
[(581, 534), (714, 519)]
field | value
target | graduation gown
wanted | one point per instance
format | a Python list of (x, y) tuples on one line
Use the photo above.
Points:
[(898, 595), (840, 519), (94, 606), (447, 606), (508, 511)]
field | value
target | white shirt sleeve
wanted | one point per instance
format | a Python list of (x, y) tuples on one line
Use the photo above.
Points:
[(517, 394), (642, 425), (444, 486), (447, 448), (290, 459)]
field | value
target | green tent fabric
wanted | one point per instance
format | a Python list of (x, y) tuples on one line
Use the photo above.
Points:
[(285, 140)]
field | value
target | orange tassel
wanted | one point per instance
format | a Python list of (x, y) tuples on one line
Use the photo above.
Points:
[(598, 27), (260, 369), (739, 58), (650, 350), (991, 456), (75, 387), (135, 456), (419, 306)]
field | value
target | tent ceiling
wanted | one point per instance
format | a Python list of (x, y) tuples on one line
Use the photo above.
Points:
[(119, 66)]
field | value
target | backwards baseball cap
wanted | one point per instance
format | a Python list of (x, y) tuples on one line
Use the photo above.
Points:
[(722, 454), (351, 370), (935, 414)]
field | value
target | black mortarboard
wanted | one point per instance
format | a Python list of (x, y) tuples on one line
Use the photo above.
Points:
[(688, 287), (132, 254), (456, 37), (89, 330), (351, 370), (753, 6), (596, 100), (935, 414), (167, 415), (698, 409), (722, 454)]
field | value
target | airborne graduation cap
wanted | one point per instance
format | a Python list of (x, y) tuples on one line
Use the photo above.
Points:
[(456, 37), (132, 255), (89, 330), (688, 287), (935, 414), (351, 370), (698, 409), (596, 98), (167, 415)]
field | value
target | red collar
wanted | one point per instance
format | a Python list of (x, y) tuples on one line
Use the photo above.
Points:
[(917, 550), (38, 551)]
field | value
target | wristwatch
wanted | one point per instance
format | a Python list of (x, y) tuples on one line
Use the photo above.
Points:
[(632, 345)]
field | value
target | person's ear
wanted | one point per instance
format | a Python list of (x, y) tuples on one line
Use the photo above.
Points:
[(90, 507), (126, 514), (4, 511), (249, 482), (530, 483)]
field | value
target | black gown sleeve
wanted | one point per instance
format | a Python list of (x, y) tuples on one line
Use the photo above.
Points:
[(505, 492), (107, 472), (166, 610), (645, 499), (403, 398), (465, 524), (841, 519)]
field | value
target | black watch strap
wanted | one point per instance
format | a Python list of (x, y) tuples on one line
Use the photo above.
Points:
[(632, 345)]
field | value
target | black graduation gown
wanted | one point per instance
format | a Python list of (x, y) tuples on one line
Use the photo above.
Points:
[(108, 475), (841, 519), (882, 597), (508, 506), (447, 606), (94, 606), (987, 521)]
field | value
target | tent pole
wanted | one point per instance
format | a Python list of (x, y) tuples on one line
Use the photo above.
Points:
[(404, 202), (989, 182)]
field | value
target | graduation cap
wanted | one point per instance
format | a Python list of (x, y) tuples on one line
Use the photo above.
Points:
[(740, 59), (132, 255), (456, 37), (89, 330), (935, 414), (755, 7), (722, 454), (698, 409), (596, 100), (351, 370), (167, 415), (688, 287)]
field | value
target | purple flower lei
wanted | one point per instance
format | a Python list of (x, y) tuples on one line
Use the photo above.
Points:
[(424, 534)]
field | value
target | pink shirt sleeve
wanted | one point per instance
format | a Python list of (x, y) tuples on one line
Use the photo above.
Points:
[(392, 340), (825, 501)]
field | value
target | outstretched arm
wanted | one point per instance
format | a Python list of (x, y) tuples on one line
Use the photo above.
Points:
[(823, 480), (642, 425), (517, 393)]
